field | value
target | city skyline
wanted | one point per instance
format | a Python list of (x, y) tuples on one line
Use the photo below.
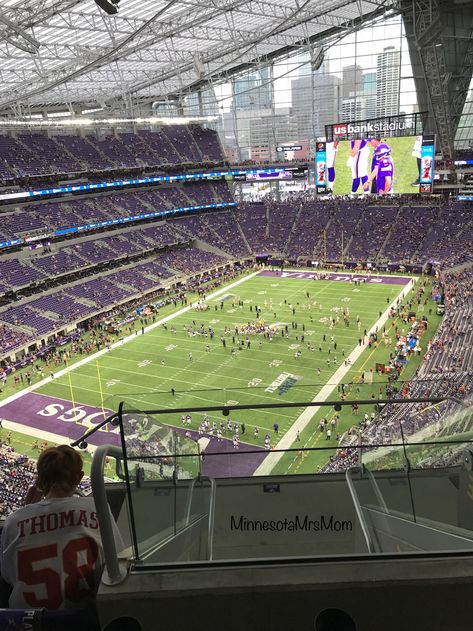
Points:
[(365, 75)]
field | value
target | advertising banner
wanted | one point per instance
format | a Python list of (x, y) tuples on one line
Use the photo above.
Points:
[(386, 126), (321, 168), (426, 175)]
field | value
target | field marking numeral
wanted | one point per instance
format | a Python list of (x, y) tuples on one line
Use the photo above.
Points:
[(112, 382), (254, 382)]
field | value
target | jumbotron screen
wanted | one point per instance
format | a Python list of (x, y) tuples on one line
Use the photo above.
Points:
[(378, 165)]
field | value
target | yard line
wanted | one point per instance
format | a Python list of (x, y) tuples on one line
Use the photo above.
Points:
[(248, 391), (304, 419), (125, 340), (135, 396)]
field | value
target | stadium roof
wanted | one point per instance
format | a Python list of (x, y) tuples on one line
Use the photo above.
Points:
[(71, 52)]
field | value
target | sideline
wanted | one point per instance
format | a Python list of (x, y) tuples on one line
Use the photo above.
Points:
[(17, 395), (306, 416)]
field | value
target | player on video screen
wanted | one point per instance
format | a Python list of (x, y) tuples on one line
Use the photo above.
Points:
[(382, 168), (358, 162), (331, 149)]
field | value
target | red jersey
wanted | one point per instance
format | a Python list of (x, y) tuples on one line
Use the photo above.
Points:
[(51, 553)]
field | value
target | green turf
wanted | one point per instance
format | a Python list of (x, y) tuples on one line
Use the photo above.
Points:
[(405, 166), (134, 372), (10, 388)]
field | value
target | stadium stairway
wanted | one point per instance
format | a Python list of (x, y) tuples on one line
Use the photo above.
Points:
[(95, 147), (62, 148), (242, 234), (207, 247), (194, 143), (293, 229), (388, 235), (318, 251)]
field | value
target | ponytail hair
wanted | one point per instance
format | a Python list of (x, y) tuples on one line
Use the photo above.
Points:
[(59, 469)]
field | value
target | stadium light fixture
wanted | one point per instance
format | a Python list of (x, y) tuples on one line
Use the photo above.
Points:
[(108, 7)]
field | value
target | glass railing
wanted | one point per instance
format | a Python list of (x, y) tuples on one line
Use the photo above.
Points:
[(228, 479)]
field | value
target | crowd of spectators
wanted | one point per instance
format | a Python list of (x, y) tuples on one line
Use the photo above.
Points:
[(446, 372), (17, 474), (39, 154)]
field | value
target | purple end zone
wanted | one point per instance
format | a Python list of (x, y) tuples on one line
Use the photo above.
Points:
[(222, 460), (60, 417), (341, 277)]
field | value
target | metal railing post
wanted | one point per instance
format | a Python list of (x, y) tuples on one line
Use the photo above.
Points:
[(113, 573), (358, 509), (210, 536)]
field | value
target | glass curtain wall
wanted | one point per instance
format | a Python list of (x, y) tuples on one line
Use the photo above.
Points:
[(464, 136), (365, 74)]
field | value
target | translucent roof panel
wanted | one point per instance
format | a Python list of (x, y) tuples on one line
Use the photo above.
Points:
[(70, 51)]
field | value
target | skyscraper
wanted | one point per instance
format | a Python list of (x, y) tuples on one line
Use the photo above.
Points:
[(316, 102), (388, 82), (352, 81), (253, 91), (353, 109), (369, 94)]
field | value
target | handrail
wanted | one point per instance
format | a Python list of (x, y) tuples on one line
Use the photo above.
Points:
[(358, 509), (187, 510), (113, 573), (114, 419), (226, 409), (362, 446), (210, 535), (377, 490)]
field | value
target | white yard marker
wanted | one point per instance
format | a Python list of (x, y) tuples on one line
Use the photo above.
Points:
[(304, 419)]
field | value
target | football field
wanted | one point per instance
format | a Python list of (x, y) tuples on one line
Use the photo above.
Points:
[(227, 354)]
